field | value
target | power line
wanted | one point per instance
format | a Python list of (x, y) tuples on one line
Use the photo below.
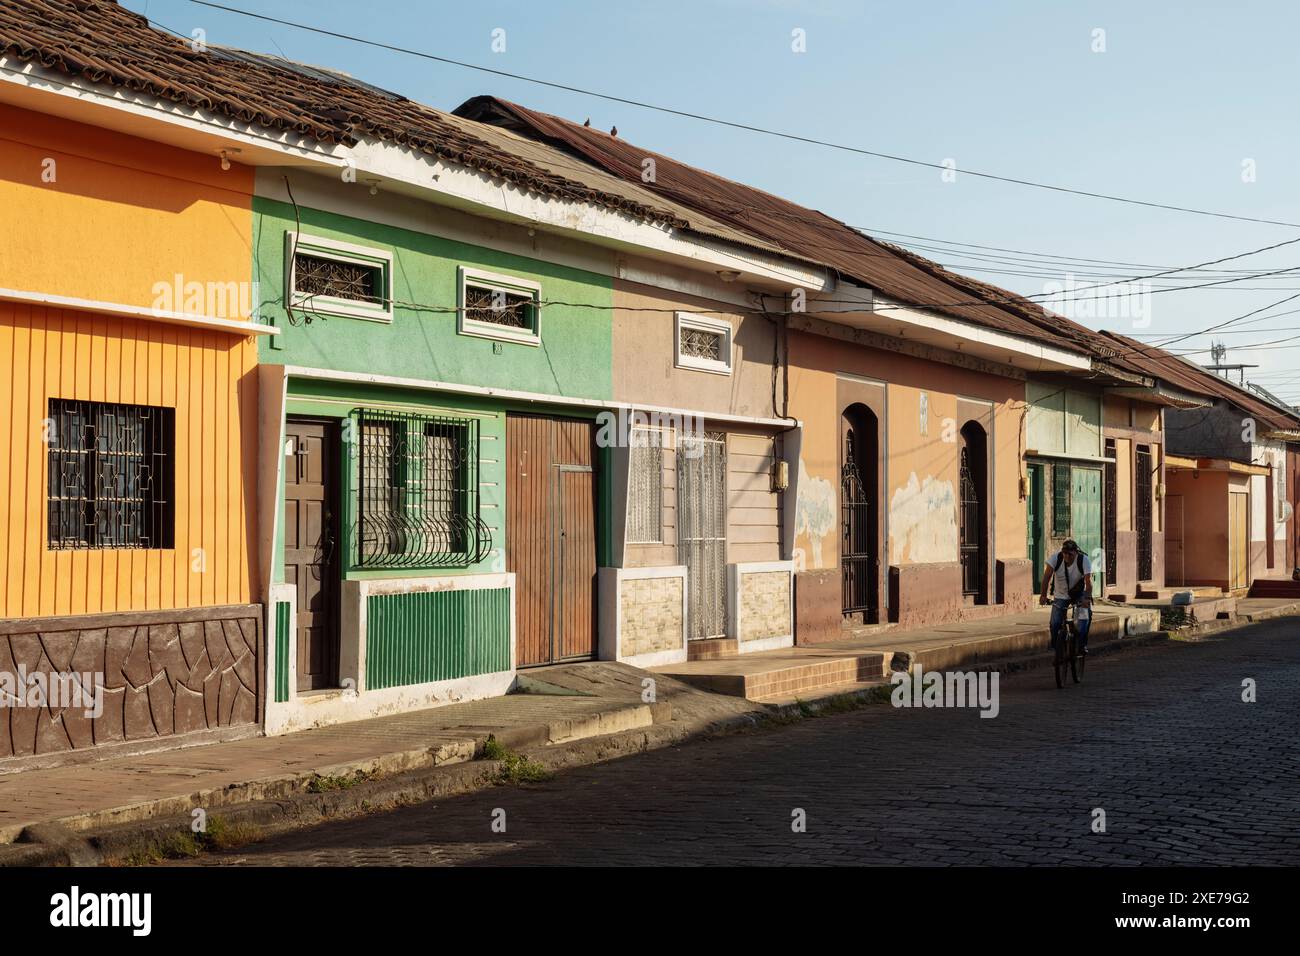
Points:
[(793, 137)]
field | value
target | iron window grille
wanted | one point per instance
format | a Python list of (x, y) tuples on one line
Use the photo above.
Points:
[(499, 307), (416, 491), (111, 475), (1060, 499), (340, 280), (329, 277), (513, 310), (645, 507), (702, 343)]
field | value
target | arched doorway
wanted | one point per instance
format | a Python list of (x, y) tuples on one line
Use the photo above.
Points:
[(859, 541), (974, 514)]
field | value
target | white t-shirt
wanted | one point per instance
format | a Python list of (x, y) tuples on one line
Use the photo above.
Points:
[(1067, 575)]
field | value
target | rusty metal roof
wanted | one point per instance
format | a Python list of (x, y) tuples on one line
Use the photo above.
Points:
[(1188, 376), (804, 233)]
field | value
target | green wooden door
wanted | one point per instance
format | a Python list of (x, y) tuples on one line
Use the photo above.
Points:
[(1085, 518), (1034, 527)]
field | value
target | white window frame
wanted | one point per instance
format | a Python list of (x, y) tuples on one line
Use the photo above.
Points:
[(688, 320), (504, 283), (334, 249)]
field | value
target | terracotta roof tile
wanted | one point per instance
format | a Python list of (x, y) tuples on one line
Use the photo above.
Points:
[(103, 43)]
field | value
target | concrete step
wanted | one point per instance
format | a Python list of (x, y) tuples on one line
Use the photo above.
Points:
[(757, 678), (1164, 594), (1275, 588)]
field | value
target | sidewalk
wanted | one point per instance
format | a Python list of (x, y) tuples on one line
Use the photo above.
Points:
[(601, 698), (807, 672)]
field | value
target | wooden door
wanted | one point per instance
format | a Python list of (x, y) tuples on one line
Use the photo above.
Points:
[(311, 512), (576, 571), (1086, 518), (551, 537), (1238, 539)]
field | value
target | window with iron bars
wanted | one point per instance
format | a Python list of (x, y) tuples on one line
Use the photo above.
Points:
[(416, 491), (1060, 499), (645, 491), (317, 276), (111, 475), (501, 307), (513, 310)]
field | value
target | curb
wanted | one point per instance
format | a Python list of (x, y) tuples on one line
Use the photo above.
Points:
[(444, 755), (57, 845)]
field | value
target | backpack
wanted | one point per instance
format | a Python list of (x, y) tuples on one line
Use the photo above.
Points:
[(1075, 591)]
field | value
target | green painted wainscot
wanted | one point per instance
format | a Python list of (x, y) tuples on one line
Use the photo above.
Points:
[(424, 636)]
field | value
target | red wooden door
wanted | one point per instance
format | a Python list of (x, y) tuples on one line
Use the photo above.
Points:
[(551, 537)]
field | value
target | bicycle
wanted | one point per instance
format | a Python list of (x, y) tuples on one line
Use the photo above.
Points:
[(1067, 649)]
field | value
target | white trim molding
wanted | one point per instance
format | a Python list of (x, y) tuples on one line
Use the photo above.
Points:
[(494, 283), (687, 321), (192, 319), (610, 587)]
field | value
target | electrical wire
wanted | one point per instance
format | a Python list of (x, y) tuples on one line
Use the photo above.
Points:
[(718, 121)]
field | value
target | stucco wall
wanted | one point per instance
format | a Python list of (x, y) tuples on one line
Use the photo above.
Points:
[(120, 216), (919, 480), (572, 359), (643, 328)]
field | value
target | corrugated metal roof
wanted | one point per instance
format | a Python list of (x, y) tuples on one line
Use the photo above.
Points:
[(1190, 377)]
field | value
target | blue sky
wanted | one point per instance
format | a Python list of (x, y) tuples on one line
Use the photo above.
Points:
[(1183, 94)]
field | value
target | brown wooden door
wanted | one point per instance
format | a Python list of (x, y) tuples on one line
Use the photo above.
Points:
[(310, 547), (551, 537)]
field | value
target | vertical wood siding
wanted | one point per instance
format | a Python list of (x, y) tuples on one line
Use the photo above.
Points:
[(207, 377)]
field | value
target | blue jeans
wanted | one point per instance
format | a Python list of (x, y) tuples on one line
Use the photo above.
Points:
[(1059, 606)]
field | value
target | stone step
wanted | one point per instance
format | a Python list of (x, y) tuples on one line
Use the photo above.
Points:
[(755, 678), (711, 649)]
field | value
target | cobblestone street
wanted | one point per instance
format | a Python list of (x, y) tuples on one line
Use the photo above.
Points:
[(1157, 738)]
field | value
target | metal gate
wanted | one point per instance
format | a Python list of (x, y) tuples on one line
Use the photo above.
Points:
[(972, 572), (1110, 546), (857, 550), (1143, 465), (702, 536)]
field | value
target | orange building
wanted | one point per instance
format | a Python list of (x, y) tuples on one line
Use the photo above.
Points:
[(128, 526)]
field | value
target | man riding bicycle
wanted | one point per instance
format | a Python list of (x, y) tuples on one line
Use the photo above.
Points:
[(1069, 577)]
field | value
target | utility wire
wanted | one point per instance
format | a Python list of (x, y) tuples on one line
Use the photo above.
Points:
[(794, 137)]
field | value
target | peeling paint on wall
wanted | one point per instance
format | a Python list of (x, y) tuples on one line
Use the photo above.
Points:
[(815, 511), (923, 522)]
